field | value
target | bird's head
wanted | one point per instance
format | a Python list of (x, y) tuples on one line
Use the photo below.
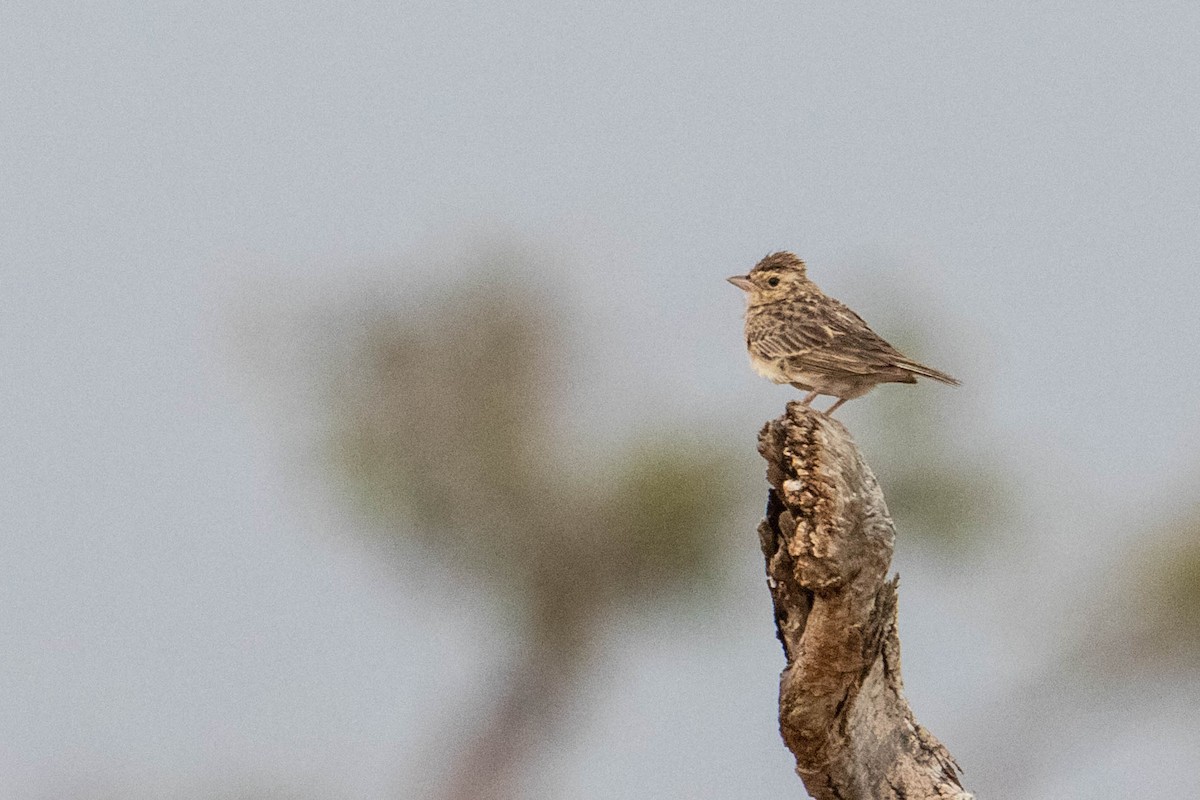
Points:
[(776, 277)]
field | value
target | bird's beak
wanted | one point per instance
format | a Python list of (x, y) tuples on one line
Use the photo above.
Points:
[(742, 282)]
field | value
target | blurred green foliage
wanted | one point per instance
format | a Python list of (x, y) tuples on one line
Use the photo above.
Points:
[(1142, 615), (1166, 590), (436, 424), (665, 497), (449, 429)]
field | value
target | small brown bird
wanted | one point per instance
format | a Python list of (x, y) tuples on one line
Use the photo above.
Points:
[(797, 334)]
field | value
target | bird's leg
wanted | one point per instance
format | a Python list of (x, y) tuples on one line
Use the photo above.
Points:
[(829, 411), (809, 398)]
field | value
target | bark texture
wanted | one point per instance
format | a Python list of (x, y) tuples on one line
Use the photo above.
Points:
[(827, 539)]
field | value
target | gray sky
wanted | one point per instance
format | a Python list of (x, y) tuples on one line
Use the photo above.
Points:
[(181, 606)]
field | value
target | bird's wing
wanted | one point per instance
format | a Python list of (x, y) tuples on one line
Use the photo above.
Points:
[(825, 336)]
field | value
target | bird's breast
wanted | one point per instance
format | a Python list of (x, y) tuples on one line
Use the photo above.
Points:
[(770, 368)]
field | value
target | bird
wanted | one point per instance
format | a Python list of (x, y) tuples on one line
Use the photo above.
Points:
[(799, 335)]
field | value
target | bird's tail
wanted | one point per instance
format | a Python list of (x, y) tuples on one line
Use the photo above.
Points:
[(928, 372)]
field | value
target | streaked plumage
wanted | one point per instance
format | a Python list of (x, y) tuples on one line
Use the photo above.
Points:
[(797, 334)]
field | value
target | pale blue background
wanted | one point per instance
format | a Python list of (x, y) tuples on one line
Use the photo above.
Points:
[(180, 608)]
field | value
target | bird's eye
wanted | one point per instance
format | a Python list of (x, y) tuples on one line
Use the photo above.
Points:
[(773, 282)]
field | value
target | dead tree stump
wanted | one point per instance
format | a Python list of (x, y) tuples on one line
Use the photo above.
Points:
[(827, 539)]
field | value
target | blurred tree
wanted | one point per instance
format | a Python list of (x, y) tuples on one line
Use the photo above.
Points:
[(445, 430), (1153, 621), (1145, 617), (1133, 624)]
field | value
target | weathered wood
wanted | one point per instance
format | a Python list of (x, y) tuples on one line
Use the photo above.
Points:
[(827, 539)]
